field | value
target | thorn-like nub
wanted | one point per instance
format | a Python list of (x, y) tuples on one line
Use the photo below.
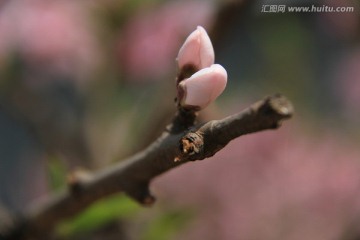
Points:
[(149, 201)]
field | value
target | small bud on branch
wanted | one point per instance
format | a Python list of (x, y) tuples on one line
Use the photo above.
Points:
[(203, 87), (199, 81), (197, 50)]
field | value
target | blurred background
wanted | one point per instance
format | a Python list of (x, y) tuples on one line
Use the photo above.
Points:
[(84, 84)]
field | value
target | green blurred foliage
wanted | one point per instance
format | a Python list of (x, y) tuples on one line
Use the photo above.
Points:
[(56, 173), (166, 225), (99, 214)]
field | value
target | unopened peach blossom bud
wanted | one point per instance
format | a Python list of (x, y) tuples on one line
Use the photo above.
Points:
[(203, 87), (197, 50)]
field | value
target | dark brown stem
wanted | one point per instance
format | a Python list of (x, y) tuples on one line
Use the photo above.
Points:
[(177, 145)]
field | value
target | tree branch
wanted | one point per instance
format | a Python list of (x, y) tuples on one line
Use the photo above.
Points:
[(177, 145)]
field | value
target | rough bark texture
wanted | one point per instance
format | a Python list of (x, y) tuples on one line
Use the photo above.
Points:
[(182, 141)]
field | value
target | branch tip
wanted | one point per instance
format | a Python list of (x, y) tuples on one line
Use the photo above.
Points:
[(281, 105)]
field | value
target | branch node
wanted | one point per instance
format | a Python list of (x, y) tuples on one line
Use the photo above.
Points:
[(192, 143), (77, 179), (141, 194), (149, 201)]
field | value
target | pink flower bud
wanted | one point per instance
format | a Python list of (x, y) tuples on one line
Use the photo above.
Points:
[(197, 50), (203, 87)]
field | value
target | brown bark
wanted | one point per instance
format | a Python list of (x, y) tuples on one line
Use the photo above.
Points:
[(181, 142)]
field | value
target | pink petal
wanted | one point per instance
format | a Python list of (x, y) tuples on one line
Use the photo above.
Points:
[(203, 87), (197, 50)]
